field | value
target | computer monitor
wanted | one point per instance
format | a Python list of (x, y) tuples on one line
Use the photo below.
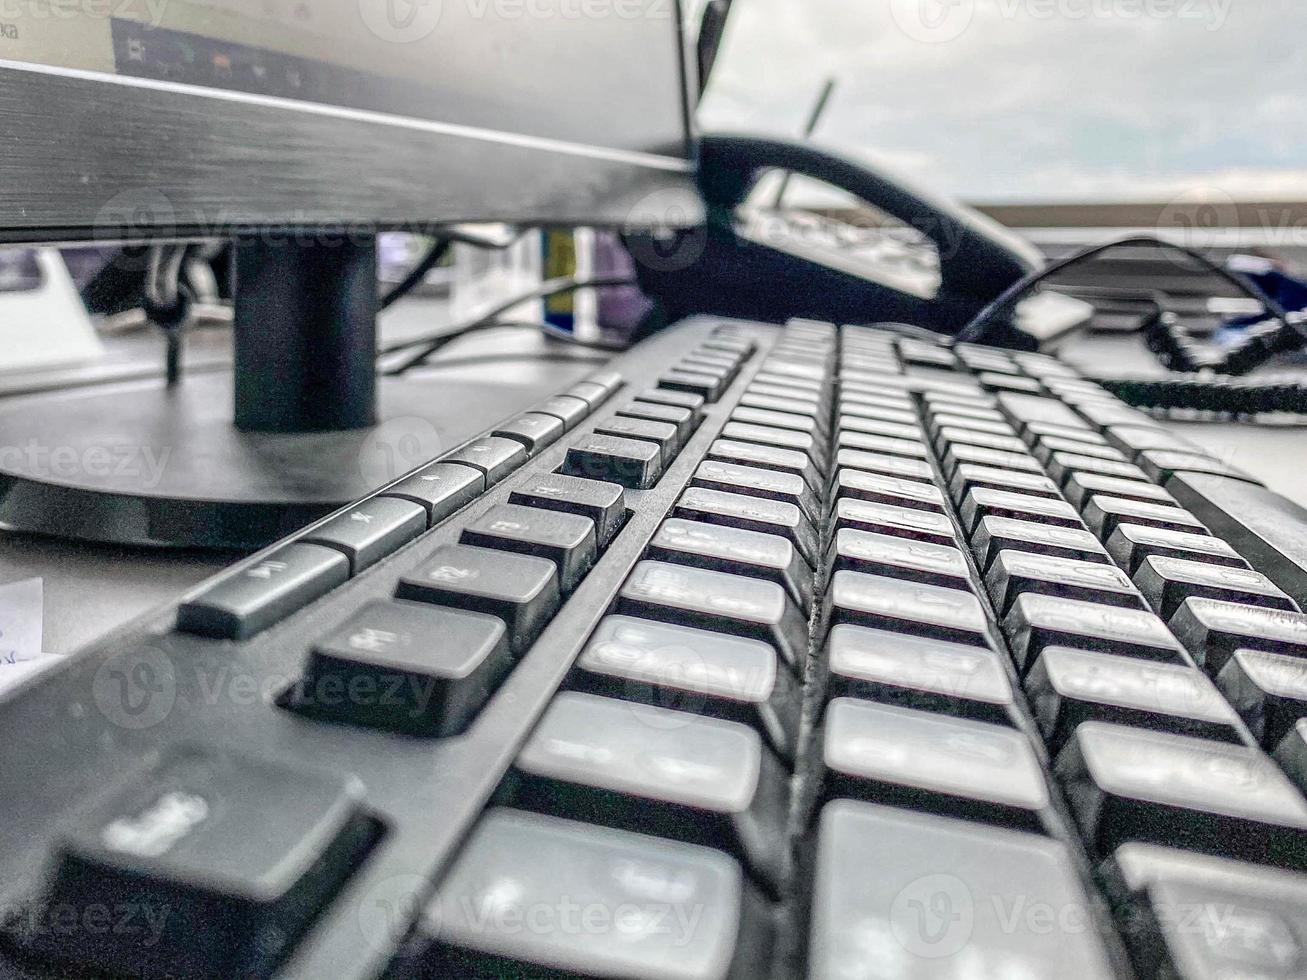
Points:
[(301, 128)]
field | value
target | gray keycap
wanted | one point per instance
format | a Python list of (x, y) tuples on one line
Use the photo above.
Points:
[(766, 435), (494, 456), (885, 411), (660, 772), (371, 530), (663, 434), (522, 590), (717, 601), (633, 463), (898, 557), (959, 454), (248, 601), (441, 488), (1136, 785), (1269, 690), (518, 867), (1081, 486), (534, 430), (878, 427), (883, 445), (883, 489), (1039, 621), (1015, 573), (752, 513), (1212, 630), (693, 670), (886, 603), (568, 410), (684, 419), (904, 522), (602, 503), (788, 403), (767, 458), (1062, 465), (934, 897), (568, 540), (1130, 544), (1048, 445), (406, 667), (1167, 582), (997, 534), (777, 419), (981, 502), (955, 435), (897, 466), (681, 399), (931, 762), (757, 482), (915, 672), (708, 386), (970, 475), (1068, 687), (1104, 514), (735, 550), (946, 420)]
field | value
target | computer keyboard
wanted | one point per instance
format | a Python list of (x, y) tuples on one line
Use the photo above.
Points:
[(767, 652)]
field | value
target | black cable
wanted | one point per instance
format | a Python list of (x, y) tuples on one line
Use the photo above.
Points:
[(439, 249), (429, 344), (166, 304), (976, 330), (1222, 395)]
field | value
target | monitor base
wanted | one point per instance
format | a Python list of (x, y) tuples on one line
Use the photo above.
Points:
[(141, 464)]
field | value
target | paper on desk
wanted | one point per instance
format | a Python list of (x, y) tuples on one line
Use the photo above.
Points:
[(21, 614)]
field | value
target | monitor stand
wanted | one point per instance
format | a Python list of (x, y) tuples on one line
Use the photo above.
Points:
[(301, 427)]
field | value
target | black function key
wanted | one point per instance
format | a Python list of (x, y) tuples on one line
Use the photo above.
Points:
[(1130, 544), (663, 434), (887, 603), (1212, 630), (534, 430), (252, 599), (735, 550), (522, 590), (567, 540), (659, 772), (938, 893), (372, 530), (234, 855), (931, 762), (633, 463), (406, 667), (517, 864), (1068, 687), (441, 488), (1167, 582), (751, 513), (1269, 690), (494, 456), (1136, 785), (714, 674), (717, 601), (1039, 621), (603, 503), (1015, 573), (914, 672)]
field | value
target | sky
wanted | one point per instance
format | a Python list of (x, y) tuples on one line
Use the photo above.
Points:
[(1004, 101)]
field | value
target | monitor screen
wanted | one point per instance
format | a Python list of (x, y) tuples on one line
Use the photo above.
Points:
[(588, 79)]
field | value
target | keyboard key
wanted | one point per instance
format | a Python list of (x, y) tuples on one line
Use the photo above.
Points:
[(602, 503), (534, 430), (406, 667), (591, 393), (568, 410), (789, 403), (969, 475), (1068, 687), (767, 458), (1015, 573), (765, 435), (247, 602), (1082, 486), (680, 399), (517, 867), (734, 550), (659, 772), (752, 514), (1036, 622), (1167, 582), (945, 420), (898, 557), (441, 488), (877, 411), (693, 670), (757, 482), (369, 532), (522, 590), (877, 488), (914, 672), (684, 419), (903, 522), (1212, 630), (1136, 785), (779, 420), (877, 427), (936, 894), (892, 604), (719, 602), (882, 445), (899, 466), (952, 435), (633, 463), (1104, 514), (567, 540), (1130, 544), (959, 454), (997, 534), (1269, 690), (663, 434), (931, 762), (1048, 445), (1161, 465), (1062, 465), (234, 855), (1291, 754), (707, 386), (980, 503)]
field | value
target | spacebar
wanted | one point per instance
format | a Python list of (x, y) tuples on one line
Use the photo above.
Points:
[(1270, 531)]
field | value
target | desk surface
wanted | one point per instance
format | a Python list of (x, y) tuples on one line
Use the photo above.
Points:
[(91, 590)]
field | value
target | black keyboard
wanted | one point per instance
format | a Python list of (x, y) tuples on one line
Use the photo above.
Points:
[(767, 652)]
